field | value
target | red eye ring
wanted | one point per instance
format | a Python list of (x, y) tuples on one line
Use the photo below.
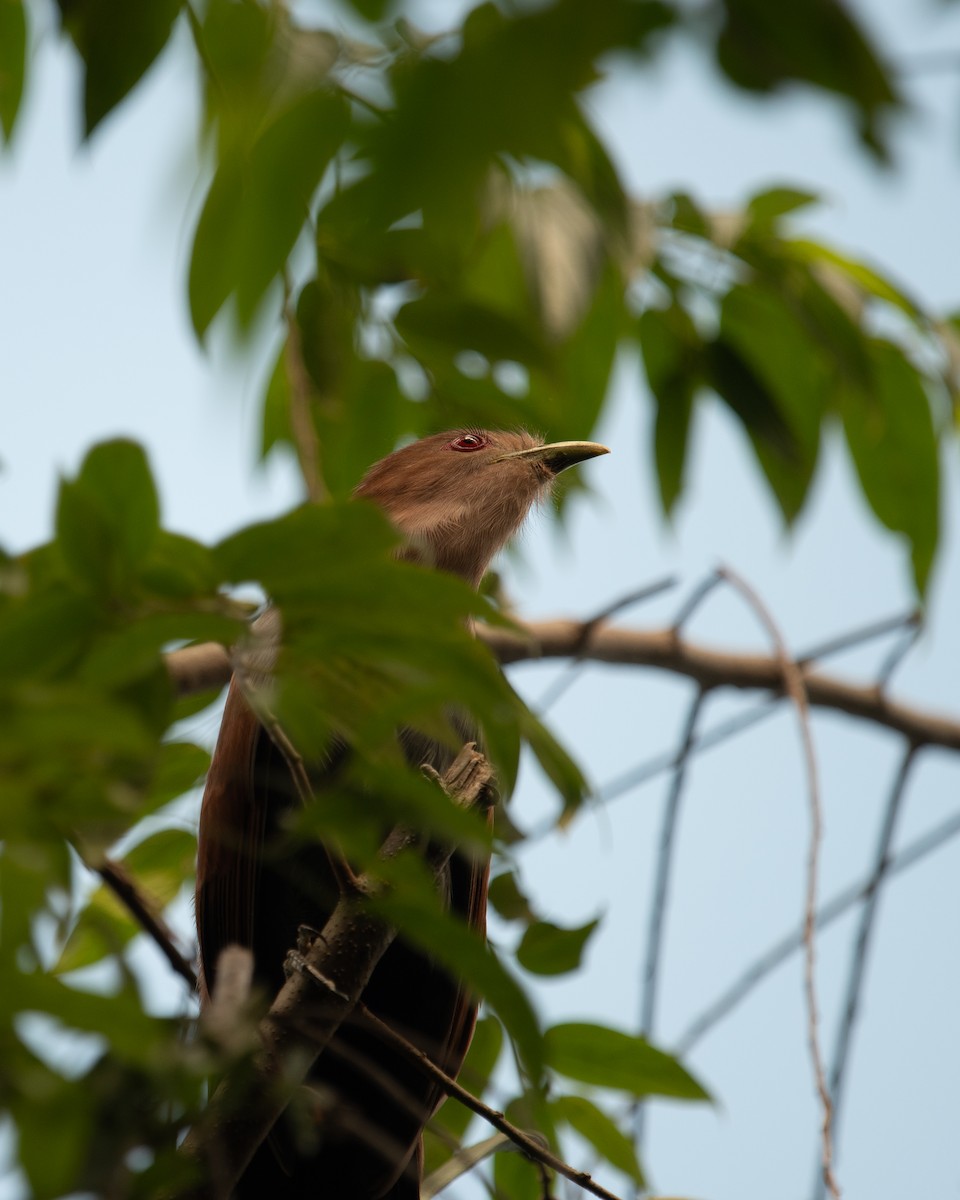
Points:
[(468, 442)]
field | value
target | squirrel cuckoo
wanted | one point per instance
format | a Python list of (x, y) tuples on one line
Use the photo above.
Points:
[(457, 497)]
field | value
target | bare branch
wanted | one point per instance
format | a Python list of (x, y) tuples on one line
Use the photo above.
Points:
[(145, 911), (661, 888), (587, 629), (197, 668), (777, 954), (715, 668), (793, 685), (531, 1146), (658, 763), (868, 914)]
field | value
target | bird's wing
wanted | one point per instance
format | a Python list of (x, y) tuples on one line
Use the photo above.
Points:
[(232, 821), (469, 882)]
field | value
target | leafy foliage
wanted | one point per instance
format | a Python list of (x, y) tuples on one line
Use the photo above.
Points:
[(441, 234)]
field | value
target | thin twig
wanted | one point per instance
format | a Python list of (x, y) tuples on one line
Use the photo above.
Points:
[(531, 1146), (896, 656), (861, 947), (856, 637), (661, 889), (693, 602), (465, 1159), (644, 772), (781, 950), (589, 626), (793, 684), (145, 912)]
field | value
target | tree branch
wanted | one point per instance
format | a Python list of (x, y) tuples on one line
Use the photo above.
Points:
[(661, 891), (196, 668), (143, 909), (531, 1146)]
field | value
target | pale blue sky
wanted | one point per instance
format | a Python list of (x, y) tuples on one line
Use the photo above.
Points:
[(95, 341)]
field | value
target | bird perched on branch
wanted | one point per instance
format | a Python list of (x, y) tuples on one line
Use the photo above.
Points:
[(457, 497)]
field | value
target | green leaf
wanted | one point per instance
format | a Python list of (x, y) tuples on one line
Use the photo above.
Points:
[(13, 59), (455, 114), (606, 1057), (548, 949), (451, 325), (765, 208), (893, 445), (418, 914), (556, 763), (775, 377), (178, 568), (597, 1128), (44, 633), (516, 1177), (258, 203), (506, 897), (118, 41), (762, 47), (108, 517), (122, 655), (864, 278), (672, 354)]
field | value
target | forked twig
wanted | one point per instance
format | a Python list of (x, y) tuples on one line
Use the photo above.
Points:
[(781, 950), (793, 685)]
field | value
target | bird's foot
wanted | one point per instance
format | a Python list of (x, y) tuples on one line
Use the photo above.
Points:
[(296, 964)]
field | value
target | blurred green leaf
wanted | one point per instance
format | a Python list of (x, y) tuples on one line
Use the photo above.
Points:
[(41, 635), (108, 517), (863, 277), (516, 1177), (775, 378), (498, 94), (766, 207), (118, 42), (178, 568), (672, 356), (893, 445), (812, 41), (508, 900), (548, 949), (418, 913), (601, 1132), (608, 1058), (257, 205), (13, 58)]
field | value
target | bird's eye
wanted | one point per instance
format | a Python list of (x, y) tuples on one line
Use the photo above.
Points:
[(467, 442)]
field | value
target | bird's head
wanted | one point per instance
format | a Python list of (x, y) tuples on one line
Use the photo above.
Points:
[(459, 496)]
